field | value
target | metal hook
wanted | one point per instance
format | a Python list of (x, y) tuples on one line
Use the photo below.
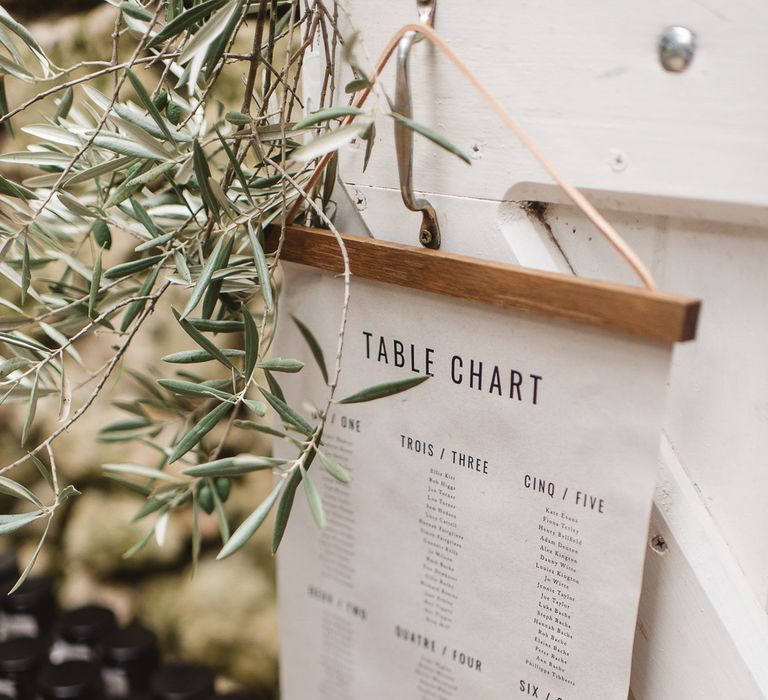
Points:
[(429, 232), (426, 10)]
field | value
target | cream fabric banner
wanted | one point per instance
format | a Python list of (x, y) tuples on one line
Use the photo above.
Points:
[(491, 542)]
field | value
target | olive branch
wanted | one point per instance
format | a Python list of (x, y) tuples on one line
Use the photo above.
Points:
[(149, 197)]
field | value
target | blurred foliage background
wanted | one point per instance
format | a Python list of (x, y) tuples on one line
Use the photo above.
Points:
[(225, 615)]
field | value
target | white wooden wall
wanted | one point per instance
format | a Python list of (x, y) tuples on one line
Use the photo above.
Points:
[(679, 163)]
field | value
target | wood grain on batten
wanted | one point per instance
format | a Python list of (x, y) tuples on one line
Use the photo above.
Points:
[(640, 312)]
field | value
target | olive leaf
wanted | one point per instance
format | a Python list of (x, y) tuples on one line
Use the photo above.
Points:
[(261, 266), (251, 342), (284, 508), (379, 391), (11, 523), (69, 491), (134, 10), (132, 267), (138, 470), (31, 409), (93, 291), (131, 424), (279, 364), (333, 468), (12, 189), (211, 265), (185, 388), (234, 466), (44, 471), (250, 524), (314, 347), (187, 357), (62, 111), (137, 306), (33, 559), (238, 119), (326, 115), (185, 20), (202, 173), (329, 141), (12, 488), (211, 296), (105, 168), (143, 217), (12, 365), (288, 415), (218, 506), (129, 147), (261, 428), (217, 325), (26, 274), (313, 497), (219, 44), (23, 34), (432, 135), (4, 108), (233, 162), (370, 138), (203, 342), (208, 33), (198, 432), (146, 101), (143, 542), (152, 505), (356, 85)]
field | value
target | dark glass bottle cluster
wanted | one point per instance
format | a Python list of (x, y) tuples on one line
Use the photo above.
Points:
[(82, 654)]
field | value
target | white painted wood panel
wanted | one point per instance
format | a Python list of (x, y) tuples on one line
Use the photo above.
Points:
[(584, 79), (721, 650), (718, 409)]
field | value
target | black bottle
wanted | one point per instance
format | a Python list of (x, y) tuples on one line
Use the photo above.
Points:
[(72, 680), (31, 609), (9, 574), (9, 568), (20, 662), (182, 682), (130, 658), (81, 633)]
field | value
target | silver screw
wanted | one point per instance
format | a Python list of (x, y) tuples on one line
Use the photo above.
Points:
[(361, 203), (618, 160), (659, 544), (677, 46), (426, 237)]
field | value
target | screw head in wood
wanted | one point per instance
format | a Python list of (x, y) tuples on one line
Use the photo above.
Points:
[(426, 237)]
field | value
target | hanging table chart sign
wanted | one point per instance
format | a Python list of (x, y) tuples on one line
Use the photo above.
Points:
[(491, 541)]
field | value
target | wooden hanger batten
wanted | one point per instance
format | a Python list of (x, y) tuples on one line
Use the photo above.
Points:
[(640, 312)]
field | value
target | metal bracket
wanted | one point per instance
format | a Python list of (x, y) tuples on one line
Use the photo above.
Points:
[(429, 232)]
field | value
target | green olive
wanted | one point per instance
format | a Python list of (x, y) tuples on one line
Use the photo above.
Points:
[(223, 487), (205, 498), (161, 100), (173, 112)]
